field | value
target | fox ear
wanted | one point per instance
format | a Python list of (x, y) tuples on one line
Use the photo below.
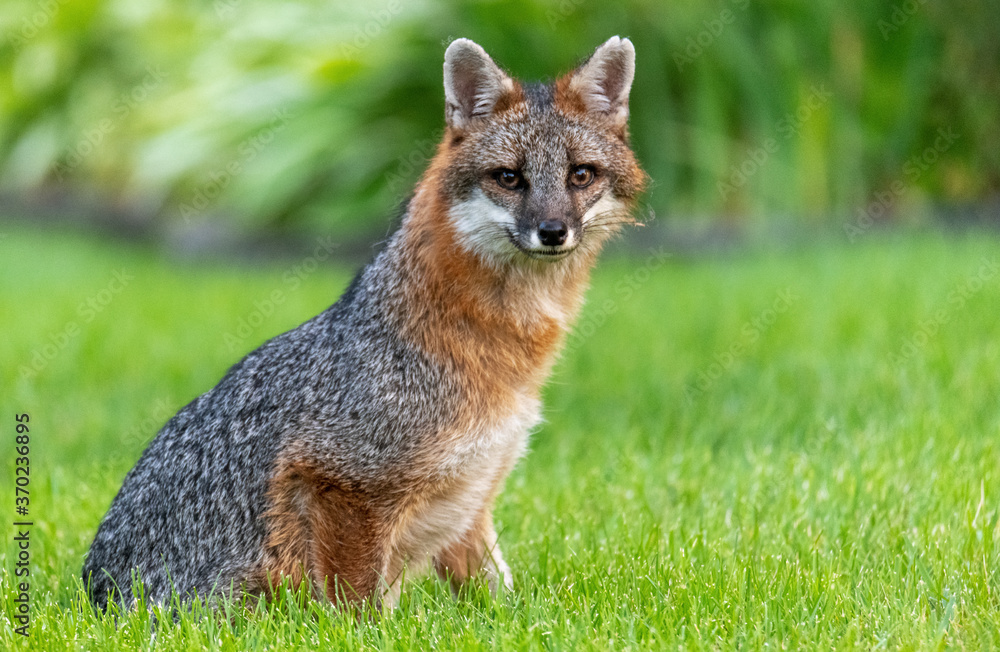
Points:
[(604, 81), (472, 83)]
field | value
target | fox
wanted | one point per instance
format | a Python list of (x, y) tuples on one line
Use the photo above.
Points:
[(368, 446)]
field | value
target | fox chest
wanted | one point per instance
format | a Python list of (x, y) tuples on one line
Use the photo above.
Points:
[(468, 472)]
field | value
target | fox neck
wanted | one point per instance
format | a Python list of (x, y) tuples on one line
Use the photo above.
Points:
[(500, 323)]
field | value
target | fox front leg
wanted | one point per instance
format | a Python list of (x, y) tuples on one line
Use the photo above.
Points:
[(476, 553)]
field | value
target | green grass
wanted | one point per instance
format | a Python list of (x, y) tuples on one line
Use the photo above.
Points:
[(820, 487)]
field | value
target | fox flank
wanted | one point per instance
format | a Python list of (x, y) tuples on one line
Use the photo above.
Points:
[(370, 443)]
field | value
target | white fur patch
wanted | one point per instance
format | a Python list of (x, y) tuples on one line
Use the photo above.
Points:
[(482, 226), (608, 203)]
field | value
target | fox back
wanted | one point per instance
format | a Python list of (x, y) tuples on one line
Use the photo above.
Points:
[(370, 443)]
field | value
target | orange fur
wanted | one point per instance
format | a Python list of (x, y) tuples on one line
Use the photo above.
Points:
[(482, 319), (325, 531)]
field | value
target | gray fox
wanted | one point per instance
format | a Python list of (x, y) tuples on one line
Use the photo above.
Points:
[(370, 443)]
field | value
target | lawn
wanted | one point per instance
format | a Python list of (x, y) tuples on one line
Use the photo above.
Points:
[(797, 448)]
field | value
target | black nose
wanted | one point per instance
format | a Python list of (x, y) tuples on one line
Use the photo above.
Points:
[(552, 233)]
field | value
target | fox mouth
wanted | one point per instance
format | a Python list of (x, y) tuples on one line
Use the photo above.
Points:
[(550, 253), (547, 253)]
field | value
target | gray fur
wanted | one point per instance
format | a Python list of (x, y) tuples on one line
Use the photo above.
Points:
[(191, 512)]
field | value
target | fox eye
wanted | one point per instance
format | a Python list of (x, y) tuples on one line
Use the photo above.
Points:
[(582, 176), (509, 179)]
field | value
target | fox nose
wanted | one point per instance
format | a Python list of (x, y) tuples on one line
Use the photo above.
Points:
[(552, 233)]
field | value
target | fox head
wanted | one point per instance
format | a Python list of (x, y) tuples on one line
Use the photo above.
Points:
[(535, 171)]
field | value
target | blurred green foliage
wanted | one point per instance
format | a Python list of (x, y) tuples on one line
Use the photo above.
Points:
[(321, 114)]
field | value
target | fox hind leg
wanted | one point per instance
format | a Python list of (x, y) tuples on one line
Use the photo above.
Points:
[(328, 533)]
